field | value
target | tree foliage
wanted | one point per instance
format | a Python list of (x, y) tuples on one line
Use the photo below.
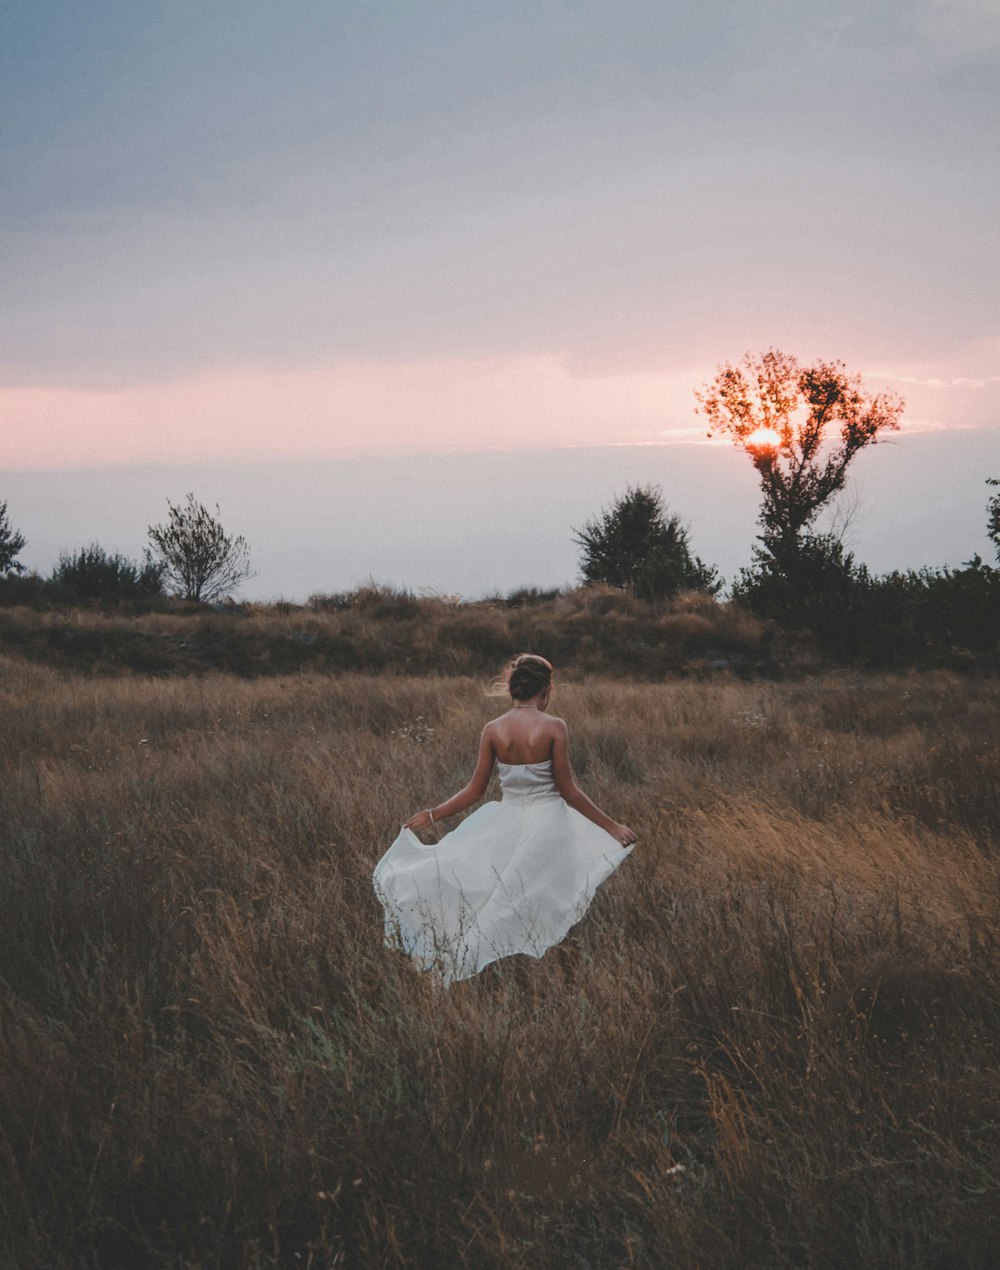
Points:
[(993, 519), (11, 543), (801, 427), (636, 544), (199, 560)]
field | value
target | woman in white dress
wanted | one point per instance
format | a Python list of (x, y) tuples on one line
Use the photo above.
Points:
[(516, 874)]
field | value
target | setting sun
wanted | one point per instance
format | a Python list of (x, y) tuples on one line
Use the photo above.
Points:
[(764, 439)]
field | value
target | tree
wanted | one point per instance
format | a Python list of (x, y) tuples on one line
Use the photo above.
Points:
[(993, 519), (801, 426), (198, 558), (636, 545), (11, 542)]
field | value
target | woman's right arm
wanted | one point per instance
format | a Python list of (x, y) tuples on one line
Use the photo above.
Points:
[(472, 792), (574, 796)]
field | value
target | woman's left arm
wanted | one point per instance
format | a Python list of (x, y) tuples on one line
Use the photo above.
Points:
[(472, 792)]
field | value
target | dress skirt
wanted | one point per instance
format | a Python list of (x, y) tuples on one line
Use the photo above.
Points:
[(512, 878)]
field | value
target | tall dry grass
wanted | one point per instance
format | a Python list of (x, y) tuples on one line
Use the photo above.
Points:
[(593, 630), (772, 1041)]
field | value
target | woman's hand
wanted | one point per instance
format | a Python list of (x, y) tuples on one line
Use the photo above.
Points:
[(420, 821), (623, 835)]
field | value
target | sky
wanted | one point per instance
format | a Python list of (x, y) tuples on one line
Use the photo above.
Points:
[(237, 237)]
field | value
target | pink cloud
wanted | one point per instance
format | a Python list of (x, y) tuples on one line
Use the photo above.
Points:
[(360, 408)]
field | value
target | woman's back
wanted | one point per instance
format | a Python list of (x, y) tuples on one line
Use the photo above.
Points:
[(523, 735)]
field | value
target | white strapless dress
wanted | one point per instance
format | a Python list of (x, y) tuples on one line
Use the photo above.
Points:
[(512, 878)]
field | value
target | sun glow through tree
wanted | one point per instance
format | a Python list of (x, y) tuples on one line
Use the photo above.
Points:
[(763, 439), (801, 427)]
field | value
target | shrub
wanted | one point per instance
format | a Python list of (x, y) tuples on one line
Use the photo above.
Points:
[(819, 588), (942, 614), (28, 589), (11, 543), (526, 596), (638, 546), (329, 601), (197, 556), (923, 617), (93, 576)]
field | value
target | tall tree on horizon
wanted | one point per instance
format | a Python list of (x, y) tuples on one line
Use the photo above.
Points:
[(801, 427)]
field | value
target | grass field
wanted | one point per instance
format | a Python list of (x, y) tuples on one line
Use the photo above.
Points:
[(772, 1041)]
